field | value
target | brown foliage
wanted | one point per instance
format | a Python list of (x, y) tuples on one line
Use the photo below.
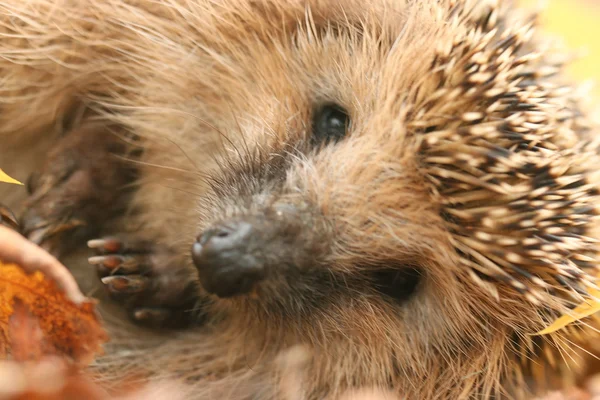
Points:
[(36, 319)]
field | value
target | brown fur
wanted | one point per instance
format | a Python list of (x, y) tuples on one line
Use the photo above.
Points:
[(203, 82)]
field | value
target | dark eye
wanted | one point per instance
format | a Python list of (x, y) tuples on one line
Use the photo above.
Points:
[(330, 123), (398, 284)]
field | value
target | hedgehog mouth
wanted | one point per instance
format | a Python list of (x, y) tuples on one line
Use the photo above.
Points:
[(235, 258)]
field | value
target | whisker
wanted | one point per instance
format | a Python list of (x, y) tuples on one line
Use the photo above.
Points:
[(196, 117), (147, 164), (204, 122), (181, 190), (127, 137), (184, 153), (195, 184), (219, 164), (240, 130)]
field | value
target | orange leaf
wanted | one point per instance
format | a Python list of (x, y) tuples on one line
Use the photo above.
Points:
[(64, 329), (26, 338)]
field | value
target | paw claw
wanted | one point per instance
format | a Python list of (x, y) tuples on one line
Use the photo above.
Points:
[(111, 264), (121, 284), (155, 292), (108, 245), (8, 219), (46, 233), (97, 260)]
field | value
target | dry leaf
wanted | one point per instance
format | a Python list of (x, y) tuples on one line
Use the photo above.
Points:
[(5, 178), (581, 311), (49, 379), (66, 329), (53, 379)]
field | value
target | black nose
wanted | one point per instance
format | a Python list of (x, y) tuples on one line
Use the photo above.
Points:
[(225, 260)]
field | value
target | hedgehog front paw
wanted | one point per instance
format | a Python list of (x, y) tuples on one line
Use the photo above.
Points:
[(8, 219), (81, 185), (148, 281)]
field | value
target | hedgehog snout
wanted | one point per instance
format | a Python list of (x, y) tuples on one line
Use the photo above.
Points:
[(261, 249), (226, 262)]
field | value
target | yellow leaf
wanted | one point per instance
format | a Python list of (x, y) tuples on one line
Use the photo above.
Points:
[(8, 179), (581, 311)]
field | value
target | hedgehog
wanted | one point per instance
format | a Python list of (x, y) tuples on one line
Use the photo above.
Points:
[(317, 194)]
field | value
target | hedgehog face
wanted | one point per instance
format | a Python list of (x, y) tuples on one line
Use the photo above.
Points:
[(305, 213), (333, 232)]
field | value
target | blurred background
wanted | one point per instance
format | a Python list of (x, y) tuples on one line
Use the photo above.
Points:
[(577, 22)]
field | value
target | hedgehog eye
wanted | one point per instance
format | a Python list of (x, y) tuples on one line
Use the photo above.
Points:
[(330, 123), (398, 284)]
